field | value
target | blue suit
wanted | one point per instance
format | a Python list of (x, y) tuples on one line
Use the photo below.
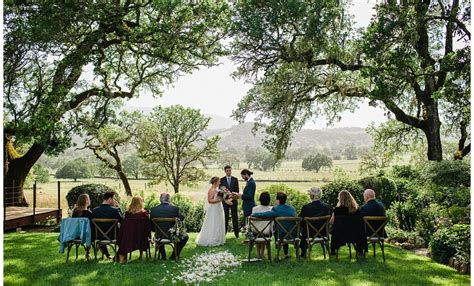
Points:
[(248, 197), (280, 211)]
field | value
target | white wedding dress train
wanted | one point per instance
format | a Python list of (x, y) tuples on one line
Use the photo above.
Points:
[(213, 227)]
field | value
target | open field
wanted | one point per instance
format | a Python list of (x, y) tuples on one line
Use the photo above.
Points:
[(288, 171), (34, 259)]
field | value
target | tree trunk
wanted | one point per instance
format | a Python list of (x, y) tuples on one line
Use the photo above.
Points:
[(176, 188), (15, 170), (432, 133), (126, 184)]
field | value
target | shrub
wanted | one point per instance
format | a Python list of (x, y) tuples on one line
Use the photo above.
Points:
[(295, 199), (448, 173), (403, 215), (405, 172), (95, 192), (449, 242), (430, 219), (193, 214), (449, 196), (385, 188), (402, 236), (331, 191), (459, 214)]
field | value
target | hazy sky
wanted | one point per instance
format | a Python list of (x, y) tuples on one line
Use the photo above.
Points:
[(213, 91)]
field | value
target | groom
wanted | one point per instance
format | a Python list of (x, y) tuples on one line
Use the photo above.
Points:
[(248, 195), (232, 184)]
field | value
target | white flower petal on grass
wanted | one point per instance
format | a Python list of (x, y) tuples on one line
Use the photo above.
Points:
[(206, 267)]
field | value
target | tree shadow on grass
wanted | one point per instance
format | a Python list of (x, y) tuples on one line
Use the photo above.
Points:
[(34, 259)]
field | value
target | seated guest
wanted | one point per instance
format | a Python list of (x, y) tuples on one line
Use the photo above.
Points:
[(280, 210), (108, 209), (260, 225), (372, 207), (82, 210), (134, 235), (314, 209), (347, 224), (166, 210)]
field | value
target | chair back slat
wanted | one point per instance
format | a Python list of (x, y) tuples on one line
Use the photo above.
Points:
[(288, 234), (260, 233), (97, 222), (376, 232), (310, 225), (159, 231)]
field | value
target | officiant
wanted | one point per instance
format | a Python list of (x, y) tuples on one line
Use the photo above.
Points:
[(232, 184)]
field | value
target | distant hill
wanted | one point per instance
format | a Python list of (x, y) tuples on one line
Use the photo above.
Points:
[(240, 136)]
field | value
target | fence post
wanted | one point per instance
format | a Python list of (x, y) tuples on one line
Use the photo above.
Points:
[(59, 195), (34, 200)]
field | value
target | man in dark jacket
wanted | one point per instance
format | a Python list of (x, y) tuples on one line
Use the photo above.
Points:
[(372, 207), (232, 184), (314, 209), (166, 210), (108, 209)]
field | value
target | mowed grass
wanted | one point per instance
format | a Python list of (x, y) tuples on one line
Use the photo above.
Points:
[(287, 173), (34, 259)]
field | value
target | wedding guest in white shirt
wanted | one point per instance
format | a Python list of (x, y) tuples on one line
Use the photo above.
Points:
[(260, 225)]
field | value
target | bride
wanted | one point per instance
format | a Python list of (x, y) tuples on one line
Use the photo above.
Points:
[(213, 228)]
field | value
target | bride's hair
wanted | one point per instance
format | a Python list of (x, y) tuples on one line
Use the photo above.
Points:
[(214, 180)]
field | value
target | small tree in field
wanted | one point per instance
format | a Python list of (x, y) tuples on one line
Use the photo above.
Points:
[(133, 165), (316, 162), (74, 170), (170, 140)]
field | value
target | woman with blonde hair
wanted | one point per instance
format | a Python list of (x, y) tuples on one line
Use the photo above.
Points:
[(347, 224), (82, 210), (135, 230)]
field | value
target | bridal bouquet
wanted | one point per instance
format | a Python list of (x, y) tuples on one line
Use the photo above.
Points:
[(224, 193)]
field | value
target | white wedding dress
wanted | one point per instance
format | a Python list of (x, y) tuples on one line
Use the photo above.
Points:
[(213, 228)]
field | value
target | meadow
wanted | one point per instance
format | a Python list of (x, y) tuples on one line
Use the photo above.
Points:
[(289, 172)]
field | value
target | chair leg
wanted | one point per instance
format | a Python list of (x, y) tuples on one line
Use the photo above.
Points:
[(95, 250), (350, 252), (69, 245), (309, 249), (250, 250), (383, 254), (156, 251), (176, 251), (327, 248), (269, 249), (324, 251), (297, 246), (278, 251), (77, 250), (373, 246)]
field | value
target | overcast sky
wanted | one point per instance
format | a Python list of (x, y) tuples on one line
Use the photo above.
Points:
[(213, 91)]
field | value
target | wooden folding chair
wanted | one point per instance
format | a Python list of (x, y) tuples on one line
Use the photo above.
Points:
[(376, 233), (287, 236), (321, 234), (163, 237), (259, 236), (106, 227)]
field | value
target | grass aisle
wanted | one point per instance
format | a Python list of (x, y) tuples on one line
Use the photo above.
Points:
[(34, 259)]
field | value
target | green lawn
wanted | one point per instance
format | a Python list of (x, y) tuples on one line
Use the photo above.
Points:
[(33, 259)]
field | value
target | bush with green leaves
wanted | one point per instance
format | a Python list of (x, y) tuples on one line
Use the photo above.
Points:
[(403, 236), (430, 219), (95, 192), (331, 191), (451, 242), (385, 188), (193, 213), (459, 214), (295, 199), (403, 215)]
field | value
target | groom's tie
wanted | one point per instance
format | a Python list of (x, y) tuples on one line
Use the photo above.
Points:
[(228, 182)]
